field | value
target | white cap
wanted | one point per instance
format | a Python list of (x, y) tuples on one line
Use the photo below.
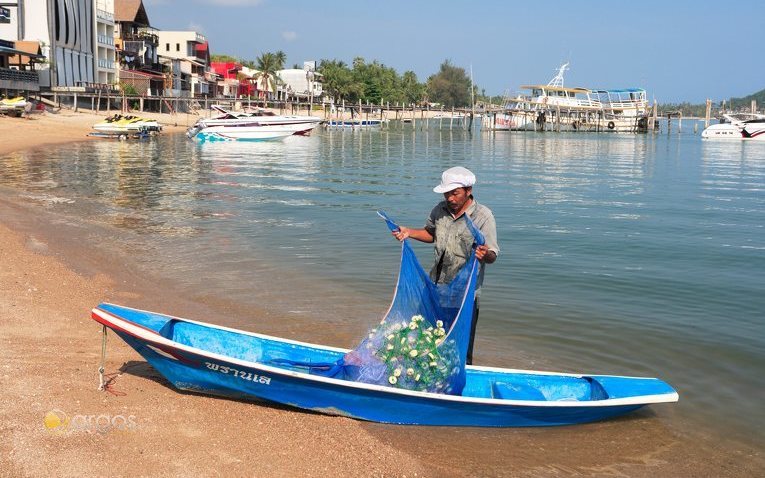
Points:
[(453, 178)]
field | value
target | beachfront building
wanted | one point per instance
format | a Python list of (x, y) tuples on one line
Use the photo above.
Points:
[(177, 83), (300, 84), (136, 44), (17, 66), (106, 63), (234, 79), (192, 49), (64, 31)]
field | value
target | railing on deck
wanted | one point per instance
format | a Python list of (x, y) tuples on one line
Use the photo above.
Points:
[(16, 75)]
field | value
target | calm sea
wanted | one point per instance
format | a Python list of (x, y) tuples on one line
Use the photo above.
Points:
[(620, 254)]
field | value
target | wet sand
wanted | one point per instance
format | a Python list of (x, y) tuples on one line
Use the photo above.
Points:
[(54, 271)]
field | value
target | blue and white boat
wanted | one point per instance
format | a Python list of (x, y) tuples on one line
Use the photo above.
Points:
[(355, 123), (212, 359)]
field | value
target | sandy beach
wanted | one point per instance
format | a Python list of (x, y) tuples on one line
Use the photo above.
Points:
[(51, 277)]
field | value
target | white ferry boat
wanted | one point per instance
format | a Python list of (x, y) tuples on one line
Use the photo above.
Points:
[(616, 110)]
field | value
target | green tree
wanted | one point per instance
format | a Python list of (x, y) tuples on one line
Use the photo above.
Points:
[(373, 82), (339, 81), (268, 64), (281, 59), (224, 58), (450, 86), (413, 91)]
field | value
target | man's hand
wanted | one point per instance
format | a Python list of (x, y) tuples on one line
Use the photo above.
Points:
[(402, 233), (483, 254)]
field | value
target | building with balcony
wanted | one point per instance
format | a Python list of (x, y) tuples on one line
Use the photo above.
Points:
[(135, 42), (106, 63), (193, 50), (17, 66), (64, 30), (233, 81)]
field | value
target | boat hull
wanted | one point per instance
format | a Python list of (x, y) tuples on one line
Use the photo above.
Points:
[(726, 131), (247, 374), (256, 129)]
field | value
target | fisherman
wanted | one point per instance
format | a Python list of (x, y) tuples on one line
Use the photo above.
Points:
[(451, 236)]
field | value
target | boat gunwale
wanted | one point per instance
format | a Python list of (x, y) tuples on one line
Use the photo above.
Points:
[(159, 340)]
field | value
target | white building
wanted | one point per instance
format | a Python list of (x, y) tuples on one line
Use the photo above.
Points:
[(305, 83), (66, 31), (194, 52), (106, 66)]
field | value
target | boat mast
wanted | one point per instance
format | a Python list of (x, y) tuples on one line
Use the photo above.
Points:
[(558, 79)]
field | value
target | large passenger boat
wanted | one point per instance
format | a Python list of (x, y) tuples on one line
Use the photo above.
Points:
[(553, 104)]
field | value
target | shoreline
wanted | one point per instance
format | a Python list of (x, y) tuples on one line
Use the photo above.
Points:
[(50, 349)]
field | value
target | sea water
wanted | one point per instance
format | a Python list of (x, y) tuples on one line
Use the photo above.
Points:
[(620, 254)]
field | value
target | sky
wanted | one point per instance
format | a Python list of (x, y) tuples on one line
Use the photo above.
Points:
[(678, 50)]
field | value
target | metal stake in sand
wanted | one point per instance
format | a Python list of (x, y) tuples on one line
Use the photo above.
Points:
[(101, 381)]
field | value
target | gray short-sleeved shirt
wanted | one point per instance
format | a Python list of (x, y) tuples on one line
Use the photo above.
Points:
[(453, 240)]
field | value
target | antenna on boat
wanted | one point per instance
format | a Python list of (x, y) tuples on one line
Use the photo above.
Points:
[(558, 78)]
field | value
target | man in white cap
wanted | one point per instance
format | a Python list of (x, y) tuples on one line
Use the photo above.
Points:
[(452, 239)]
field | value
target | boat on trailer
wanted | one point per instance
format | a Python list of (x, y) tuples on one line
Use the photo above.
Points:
[(257, 125), (207, 358)]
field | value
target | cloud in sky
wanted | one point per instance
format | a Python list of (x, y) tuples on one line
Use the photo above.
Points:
[(289, 35), (196, 27)]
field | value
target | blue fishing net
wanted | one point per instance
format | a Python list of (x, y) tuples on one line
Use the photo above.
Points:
[(421, 343)]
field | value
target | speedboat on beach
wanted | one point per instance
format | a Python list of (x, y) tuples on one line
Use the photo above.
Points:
[(737, 126), (119, 124), (258, 125)]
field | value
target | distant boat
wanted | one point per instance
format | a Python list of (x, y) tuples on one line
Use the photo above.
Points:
[(259, 125), (207, 358), (614, 110), (356, 123), (737, 126)]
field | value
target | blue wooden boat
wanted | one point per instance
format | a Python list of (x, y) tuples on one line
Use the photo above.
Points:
[(212, 359)]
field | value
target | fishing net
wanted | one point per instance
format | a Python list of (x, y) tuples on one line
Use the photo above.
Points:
[(421, 343)]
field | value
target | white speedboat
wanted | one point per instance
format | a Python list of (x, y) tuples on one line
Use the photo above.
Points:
[(737, 126), (258, 125)]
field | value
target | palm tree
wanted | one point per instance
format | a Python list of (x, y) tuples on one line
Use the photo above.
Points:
[(268, 64), (281, 59)]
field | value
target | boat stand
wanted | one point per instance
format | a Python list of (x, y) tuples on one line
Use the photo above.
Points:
[(101, 381)]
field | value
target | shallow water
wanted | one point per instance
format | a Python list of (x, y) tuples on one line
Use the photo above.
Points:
[(620, 254)]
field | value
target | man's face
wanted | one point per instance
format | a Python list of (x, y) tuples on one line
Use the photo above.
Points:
[(456, 199)]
